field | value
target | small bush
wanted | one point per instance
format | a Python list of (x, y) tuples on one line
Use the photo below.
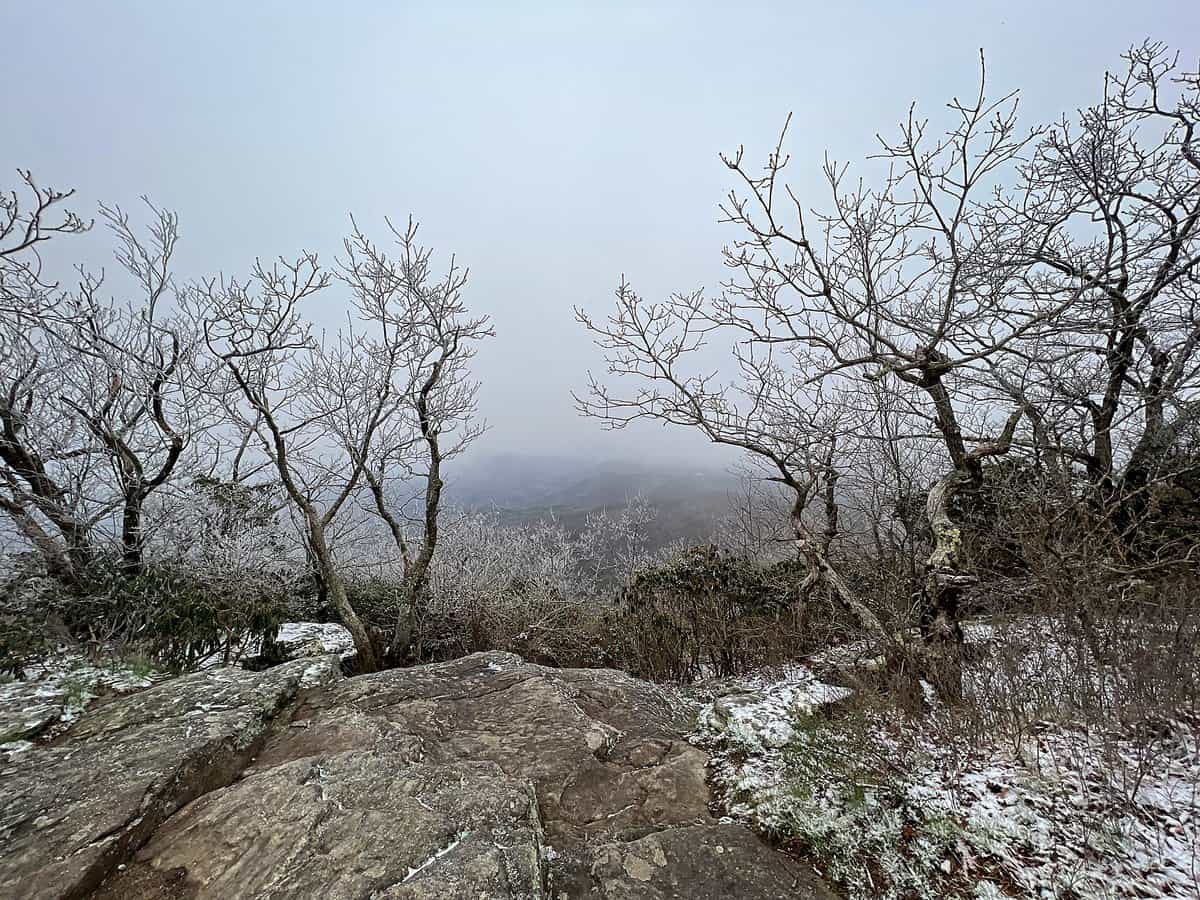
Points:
[(30, 604), (172, 614), (709, 612), (179, 618)]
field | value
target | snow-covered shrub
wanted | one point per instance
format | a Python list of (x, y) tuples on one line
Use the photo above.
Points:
[(535, 588), (592, 596), (31, 603), (221, 572)]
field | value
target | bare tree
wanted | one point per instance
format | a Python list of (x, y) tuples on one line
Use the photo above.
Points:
[(23, 285), (137, 385), (38, 465), (256, 329), (1108, 216), (385, 398), (770, 410), (1008, 289), (434, 418), (47, 460), (906, 286), (100, 400)]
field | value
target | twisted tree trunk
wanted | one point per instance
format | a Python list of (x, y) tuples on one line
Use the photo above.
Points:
[(940, 623), (945, 569)]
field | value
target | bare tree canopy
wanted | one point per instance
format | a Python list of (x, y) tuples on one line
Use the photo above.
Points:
[(385, 400), (1001, 287)]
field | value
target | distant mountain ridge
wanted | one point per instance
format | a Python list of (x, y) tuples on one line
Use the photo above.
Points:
[(689, 499)]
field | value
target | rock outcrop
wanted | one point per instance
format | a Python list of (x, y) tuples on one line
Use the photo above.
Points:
[(346, 825), (75, 809), (485, 777)]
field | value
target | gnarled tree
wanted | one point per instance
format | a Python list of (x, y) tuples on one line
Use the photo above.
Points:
[(770, 410), (138, 383), (101, 396), (907, 287), (1108, 218)]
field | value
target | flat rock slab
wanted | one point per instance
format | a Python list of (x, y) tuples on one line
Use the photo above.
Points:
[(607, 755), (484, 777), (74, 809), (26, 710), (350, 825), (606, 752)]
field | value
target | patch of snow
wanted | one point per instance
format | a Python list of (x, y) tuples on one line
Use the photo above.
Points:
[(294, 640), (855, 655), (978, 632), (323, 637), (760, 709), (319, 672), (864, 654), (892, 807), (53, 692), (436, 856)]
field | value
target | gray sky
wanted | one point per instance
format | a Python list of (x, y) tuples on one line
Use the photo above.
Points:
[(552, 146)]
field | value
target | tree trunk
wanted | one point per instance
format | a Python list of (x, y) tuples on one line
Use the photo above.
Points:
[(417, 578), (131, 533), (58, 562), (945, 577), (940, 622), (368, 660), (817, 562)]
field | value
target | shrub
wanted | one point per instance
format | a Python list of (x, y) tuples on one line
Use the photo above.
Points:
[(30, 604), (174, 611), (709, 612)]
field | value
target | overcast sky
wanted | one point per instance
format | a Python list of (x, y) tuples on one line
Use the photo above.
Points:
[(552, 146)]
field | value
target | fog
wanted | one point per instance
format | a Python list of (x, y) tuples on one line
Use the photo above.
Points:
[(551, 146)]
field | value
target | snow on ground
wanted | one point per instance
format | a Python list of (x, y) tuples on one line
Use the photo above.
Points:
[(52, 693), (294, 640), (297, 639), (763, 707), (864, 655), (896, 807)]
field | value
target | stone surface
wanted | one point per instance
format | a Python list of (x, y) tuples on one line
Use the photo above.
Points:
[(53, 692), (74, 809), (484, 777), (351, 825), (606, 754), (25, 712), (716, 862)]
